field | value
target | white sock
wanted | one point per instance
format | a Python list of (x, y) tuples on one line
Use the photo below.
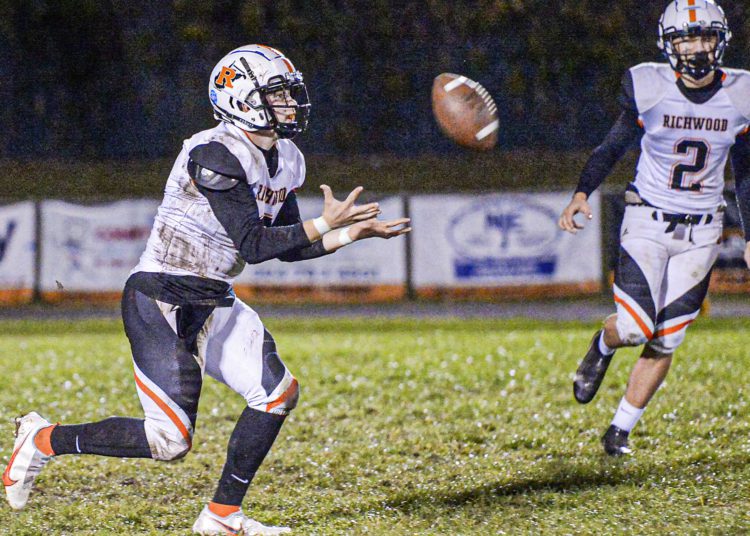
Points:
[(603, 348), (627, 415)]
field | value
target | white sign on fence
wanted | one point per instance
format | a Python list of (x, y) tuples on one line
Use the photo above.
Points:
[(93, 248), (500, 240), (371, 262), (17, 230)]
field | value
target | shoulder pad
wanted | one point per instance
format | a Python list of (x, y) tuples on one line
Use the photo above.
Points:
[(209, 179), (216, 157), (737, 85), (650, 81)]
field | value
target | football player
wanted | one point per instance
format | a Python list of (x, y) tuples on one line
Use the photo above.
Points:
[(229, 200), (689, 115)]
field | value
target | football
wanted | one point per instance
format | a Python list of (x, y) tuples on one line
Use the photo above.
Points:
[(465, 111)]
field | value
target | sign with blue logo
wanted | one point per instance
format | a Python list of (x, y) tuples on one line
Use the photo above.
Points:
[(500, 239)]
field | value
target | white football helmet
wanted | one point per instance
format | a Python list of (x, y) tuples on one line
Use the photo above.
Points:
[(690, 18), (240, 86)]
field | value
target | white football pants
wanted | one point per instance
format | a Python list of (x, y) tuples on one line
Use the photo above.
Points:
[(662, 275)]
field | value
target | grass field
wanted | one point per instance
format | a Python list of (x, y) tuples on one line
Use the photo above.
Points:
[(405, 427), (385, 174)]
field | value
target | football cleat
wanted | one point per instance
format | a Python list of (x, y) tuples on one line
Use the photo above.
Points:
[(235, 523), (615, 441), (26, 461), (591, 372)]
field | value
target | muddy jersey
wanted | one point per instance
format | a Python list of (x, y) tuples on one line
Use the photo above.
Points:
[(187, 238), (685, 144)]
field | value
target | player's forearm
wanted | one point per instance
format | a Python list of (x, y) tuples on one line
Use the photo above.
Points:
[(262, 243), (313, 251), (619, 139), (331, 241)]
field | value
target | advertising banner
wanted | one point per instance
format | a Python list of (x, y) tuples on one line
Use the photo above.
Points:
[(370, 270), (17, 250), (92, 248), (502, 243)]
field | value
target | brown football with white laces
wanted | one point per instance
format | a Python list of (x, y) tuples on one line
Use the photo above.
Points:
[(465, 111)]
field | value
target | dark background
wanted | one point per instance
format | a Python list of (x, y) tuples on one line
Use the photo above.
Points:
[(117, 79)]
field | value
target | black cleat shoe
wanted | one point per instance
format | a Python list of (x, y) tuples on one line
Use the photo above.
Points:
[(615, 441), (590, 372)]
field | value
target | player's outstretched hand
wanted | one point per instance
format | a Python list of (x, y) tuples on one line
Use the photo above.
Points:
[(576, 205), (379, 229), (342, 213)]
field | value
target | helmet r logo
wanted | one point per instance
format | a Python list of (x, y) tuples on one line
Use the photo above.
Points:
[(225, 77)]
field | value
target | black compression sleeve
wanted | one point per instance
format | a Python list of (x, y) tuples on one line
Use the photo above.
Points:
[(741, 168), (237, 212), (619, 139), (289, 215), (313, 251)]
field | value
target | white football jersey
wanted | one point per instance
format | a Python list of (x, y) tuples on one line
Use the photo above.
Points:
[(685, 145), (187, 239)]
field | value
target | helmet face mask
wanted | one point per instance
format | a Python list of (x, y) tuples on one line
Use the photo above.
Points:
[(687, 20), (256, 88), (697, 63), (286, 97)]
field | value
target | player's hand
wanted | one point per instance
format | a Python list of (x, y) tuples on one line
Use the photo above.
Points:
[(379, 229), (747, 254), (342, 213), (576, 205)]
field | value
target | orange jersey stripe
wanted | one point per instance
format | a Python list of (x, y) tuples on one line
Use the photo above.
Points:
[(166, 409), (641, 324), (673, 329), (284, 395)]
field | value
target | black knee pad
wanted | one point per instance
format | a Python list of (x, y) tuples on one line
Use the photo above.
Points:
[(273, 368)]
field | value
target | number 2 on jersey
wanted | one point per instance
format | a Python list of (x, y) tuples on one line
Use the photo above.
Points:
[(698, 149)]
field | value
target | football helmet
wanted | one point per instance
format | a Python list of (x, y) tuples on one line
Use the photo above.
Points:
[(256, 87), (693, 18)]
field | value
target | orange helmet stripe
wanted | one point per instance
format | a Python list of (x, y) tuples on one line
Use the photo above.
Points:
[(271, 49), (692, 14)]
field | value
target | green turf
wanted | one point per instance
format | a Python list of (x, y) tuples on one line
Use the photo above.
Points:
[(406, 427)]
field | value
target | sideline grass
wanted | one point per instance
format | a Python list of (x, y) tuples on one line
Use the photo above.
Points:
[(462, 171), (405, 427)]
